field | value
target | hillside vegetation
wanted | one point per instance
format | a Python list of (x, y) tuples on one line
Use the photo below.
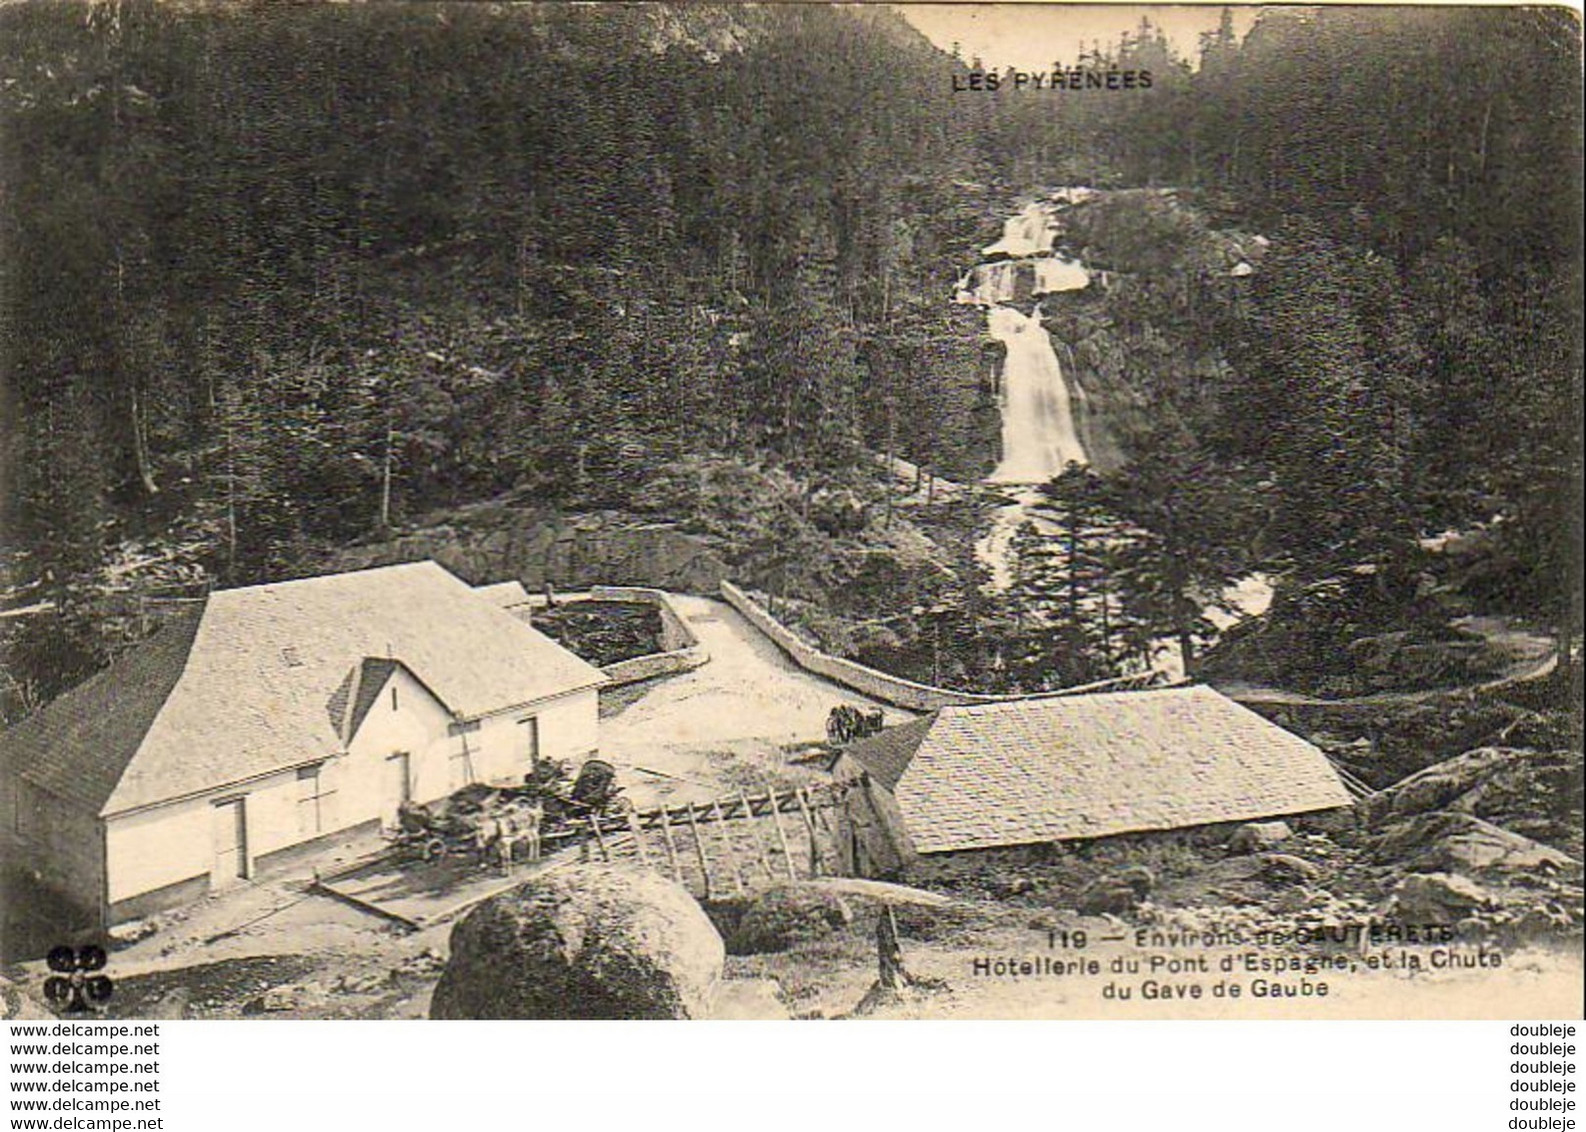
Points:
[(283, 280)]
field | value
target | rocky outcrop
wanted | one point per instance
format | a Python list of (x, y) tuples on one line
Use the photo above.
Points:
[(788, 914), (1440, 785), (586, 942), (1286, 868), (1448, 840), (1437, 898), (495, 542), (16, 1005)]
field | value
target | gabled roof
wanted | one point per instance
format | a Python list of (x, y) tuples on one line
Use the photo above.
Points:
[(372, 676), (269, 673), (887, 754), (1093, 765)]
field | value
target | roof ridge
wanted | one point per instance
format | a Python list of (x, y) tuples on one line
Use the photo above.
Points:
[(1045, 698), (333, 575)]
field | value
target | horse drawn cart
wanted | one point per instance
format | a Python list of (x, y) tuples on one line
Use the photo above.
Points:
[(502, 823)]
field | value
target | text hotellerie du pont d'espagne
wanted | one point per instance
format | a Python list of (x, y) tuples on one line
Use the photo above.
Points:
[(1058, 78), (1275, 963)]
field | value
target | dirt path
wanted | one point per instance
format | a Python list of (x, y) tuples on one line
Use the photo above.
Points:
[(748, 702)]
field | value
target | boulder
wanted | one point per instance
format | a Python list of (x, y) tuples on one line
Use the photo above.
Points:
[(1286, 868), (16, 1005), (1015, 886), (837, 512), (1447, 840), (1439, 785), (1258, 836), (1544, 920), (1437, 898), (584, 942), (781, 917), (1116, 892)]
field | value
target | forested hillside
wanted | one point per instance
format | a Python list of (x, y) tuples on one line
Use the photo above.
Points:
[(276, 278), (280, 276)]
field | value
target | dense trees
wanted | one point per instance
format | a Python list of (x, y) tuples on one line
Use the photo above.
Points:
[(287, 275), (299, 274)]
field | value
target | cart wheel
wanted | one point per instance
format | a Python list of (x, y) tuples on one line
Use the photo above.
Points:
[(434, 849)]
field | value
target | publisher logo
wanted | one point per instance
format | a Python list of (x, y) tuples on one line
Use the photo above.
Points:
[(77, 984)]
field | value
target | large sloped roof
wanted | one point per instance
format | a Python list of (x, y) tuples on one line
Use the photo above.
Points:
[(1093, 765), (505, 594), (78, 744), (267, 675)]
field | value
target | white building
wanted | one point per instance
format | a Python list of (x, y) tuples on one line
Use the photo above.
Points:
[(273, 720)]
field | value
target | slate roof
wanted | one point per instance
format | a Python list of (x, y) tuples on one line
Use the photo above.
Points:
[(77, 745), (265, 676), (886, 755), (1093, 765), (372, 676)]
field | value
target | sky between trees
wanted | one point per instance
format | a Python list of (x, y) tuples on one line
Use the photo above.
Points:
[(1031, 34)]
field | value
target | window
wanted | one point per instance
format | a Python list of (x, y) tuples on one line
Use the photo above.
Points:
[(313, 801), (290, 657), (393, 697)]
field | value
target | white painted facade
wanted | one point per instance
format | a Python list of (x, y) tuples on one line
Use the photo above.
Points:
[(407, 746)]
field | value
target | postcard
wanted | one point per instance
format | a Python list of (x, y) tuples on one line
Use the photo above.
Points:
[(789, 511)]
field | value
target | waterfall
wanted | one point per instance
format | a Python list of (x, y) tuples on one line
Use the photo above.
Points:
[(1039, 439), (1031, 232)]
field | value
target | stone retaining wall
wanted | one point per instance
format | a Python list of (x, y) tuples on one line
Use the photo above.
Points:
[(871, 682), (877, 685), (681, 650)]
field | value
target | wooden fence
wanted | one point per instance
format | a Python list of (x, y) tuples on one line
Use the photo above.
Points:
[(729, 846)]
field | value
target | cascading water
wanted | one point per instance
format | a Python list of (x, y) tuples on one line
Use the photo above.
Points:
[(1039, 439), (1039, 436)]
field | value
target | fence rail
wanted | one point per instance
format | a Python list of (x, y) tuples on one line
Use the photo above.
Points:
[(729, 845)]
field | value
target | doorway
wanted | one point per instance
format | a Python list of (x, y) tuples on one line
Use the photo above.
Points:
[(529, 742), (230, 824)]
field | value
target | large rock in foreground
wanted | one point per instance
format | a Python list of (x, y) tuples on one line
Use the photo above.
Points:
[(587, 942), (786, 915), (16, 1005)]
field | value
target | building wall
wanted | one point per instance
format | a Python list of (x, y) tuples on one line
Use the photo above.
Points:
[(872, 840), (55, 844), (175, 844), (172, 847), (444, 756)]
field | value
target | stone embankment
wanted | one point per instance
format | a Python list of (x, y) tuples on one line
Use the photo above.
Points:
[(869, 681), (680, 648)]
